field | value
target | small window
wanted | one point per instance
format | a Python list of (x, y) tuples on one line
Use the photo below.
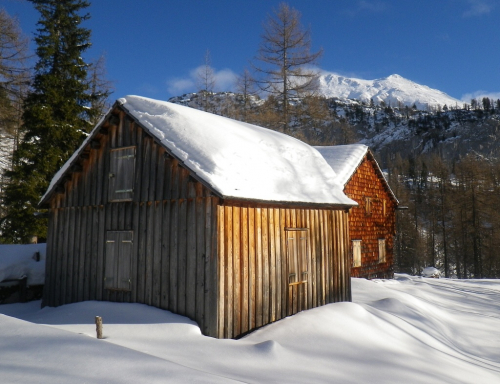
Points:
[(121, 174), (381, 250), (368, 205), (356, 253), (384, 207), (297, 255), (118, 260)]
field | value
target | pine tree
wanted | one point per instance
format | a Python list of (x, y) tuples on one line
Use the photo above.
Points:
[(55, 117)]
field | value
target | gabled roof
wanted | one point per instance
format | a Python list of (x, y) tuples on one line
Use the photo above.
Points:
[(234, 159), (345, 160)]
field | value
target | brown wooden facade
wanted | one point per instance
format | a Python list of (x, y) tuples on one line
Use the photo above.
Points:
[(372, 222), (128, 222), (255, 282)]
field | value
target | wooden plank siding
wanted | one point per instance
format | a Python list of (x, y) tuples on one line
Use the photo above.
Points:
[(223, 264), (373, 219), (173, 220), (251, 271)]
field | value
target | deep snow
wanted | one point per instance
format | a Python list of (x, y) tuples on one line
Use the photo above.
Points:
[(406, 330)]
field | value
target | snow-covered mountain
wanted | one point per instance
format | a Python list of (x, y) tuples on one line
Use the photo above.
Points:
[(391, 90), (452, 131)]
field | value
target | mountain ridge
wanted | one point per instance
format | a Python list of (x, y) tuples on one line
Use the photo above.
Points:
[(392, 90), (450, 130)]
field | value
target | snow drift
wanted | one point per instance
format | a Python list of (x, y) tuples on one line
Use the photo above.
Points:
[(407, 330)]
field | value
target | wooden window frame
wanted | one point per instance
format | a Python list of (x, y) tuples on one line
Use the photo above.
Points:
[(381, 251), (356, 253), (297, 259), (368, 206)]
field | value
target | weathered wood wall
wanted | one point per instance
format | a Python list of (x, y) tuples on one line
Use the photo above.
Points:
[(223, 264), (173, 219), (253, 280), (371, 224)]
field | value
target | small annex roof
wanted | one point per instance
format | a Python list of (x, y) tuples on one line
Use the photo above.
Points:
[(345, 159), (236, 159)]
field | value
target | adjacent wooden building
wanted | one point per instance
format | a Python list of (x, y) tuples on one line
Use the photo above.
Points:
[(372, 222), (230, 224)]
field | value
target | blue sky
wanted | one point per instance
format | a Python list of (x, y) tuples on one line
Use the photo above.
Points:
[(153, 47)]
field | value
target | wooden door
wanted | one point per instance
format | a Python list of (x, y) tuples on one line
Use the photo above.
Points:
[(297, 272)]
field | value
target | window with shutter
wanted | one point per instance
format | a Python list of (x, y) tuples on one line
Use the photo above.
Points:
[(118, 256), (356, 253), (121, 174)]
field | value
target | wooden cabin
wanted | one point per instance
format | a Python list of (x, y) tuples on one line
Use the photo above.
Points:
[(372, 223), (230, 224)]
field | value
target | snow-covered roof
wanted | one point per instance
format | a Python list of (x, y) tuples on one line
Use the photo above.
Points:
[(17, 261), (345, 159), (235, 159)]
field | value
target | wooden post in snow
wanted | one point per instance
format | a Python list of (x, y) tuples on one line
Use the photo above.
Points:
[(98, 326)]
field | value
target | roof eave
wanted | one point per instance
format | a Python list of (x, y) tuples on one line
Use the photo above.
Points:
[(381, 175), (119, 106), (95, 131), (336, 206), (369, 153)]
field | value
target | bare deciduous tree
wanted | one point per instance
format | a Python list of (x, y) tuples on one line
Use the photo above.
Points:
[(100, 89), (206, 81), (14, 84), (14, 75), (286, 58), (245, 85), (13, 55)]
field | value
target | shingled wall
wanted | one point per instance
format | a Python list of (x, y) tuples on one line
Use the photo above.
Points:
[(372, 220)]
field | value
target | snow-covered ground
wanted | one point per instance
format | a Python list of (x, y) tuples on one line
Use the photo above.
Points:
[(406, 330)]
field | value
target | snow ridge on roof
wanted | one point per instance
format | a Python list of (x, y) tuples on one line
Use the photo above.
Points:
[(238, 160), (344, 159)]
